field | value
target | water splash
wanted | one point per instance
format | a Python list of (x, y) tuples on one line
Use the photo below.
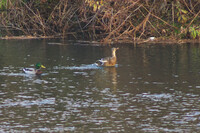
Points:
[(82, 67), (12, 74)]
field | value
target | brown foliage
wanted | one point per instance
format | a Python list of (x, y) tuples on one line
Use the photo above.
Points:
[(106, 20)]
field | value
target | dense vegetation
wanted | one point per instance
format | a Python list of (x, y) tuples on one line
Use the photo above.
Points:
[(102, 20)]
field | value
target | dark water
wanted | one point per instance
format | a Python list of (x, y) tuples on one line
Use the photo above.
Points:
[(153, 88)]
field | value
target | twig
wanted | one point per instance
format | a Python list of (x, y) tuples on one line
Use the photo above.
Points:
[(117, 27), (39, 19), (188, 7), (190, 22), (93, 17), (193, 19)]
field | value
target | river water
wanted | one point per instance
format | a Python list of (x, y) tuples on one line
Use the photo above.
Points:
[(153, 88)]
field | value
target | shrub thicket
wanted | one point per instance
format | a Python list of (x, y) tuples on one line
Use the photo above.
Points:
[(105, 20)]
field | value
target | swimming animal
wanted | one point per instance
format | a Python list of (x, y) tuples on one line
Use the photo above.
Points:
[(36, 70), (108, 61)]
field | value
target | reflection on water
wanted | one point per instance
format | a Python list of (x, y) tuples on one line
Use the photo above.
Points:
[(153, 88), (111, 72)]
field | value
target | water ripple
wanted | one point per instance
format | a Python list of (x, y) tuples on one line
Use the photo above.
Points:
[(10, 103), (82, 67)]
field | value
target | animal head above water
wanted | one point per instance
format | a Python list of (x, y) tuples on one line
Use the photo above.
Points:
[(39, 65), (114, 49)]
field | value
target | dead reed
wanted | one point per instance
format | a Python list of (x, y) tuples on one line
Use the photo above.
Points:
[(102, 20)]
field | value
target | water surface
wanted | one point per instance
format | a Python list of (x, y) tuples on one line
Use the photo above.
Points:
[(153, 88)]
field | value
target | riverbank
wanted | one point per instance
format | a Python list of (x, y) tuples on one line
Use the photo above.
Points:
[(24, 37), (152, 40)]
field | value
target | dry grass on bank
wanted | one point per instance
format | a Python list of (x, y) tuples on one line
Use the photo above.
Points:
[(102, 20)]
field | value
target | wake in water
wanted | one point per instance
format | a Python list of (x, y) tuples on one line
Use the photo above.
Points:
[(27, 77), (82, 67), (12, 74), (18, 74)]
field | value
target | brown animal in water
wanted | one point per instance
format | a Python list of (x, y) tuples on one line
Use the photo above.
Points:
[(108, 61)]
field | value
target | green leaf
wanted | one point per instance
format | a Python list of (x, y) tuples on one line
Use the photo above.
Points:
[(179, 18), (184, 18), (3, 4), (193, 32), (184, 11), (198, 32), (178, 14), (94, 7)]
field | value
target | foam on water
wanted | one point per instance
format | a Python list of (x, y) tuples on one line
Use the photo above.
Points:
[(82, 67)]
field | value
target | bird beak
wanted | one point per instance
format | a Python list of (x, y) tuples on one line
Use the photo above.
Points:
[(43, 66)]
